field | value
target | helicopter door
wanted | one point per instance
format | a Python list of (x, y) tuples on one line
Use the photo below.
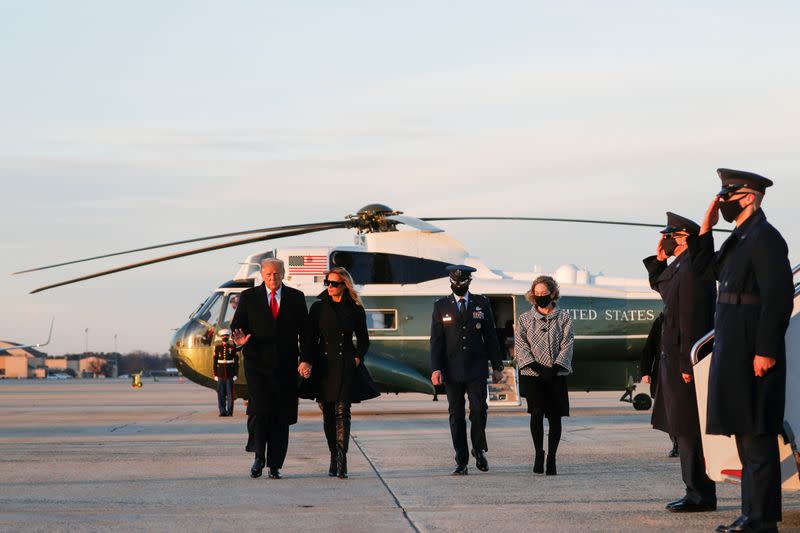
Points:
[(504, 319)]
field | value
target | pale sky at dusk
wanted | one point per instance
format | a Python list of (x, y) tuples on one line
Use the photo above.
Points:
[(128, 124)]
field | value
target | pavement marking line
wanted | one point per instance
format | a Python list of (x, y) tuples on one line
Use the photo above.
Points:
[(374, 469)]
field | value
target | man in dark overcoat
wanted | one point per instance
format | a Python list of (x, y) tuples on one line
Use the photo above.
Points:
[(747, 382), (688, 298), (463, 342), (269, 325)]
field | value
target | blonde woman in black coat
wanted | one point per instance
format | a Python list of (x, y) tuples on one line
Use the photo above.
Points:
[(339, 376)]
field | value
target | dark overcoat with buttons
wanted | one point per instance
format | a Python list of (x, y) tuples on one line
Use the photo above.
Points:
[(754, 275), (463, 345), (329, 348), (688, 298), (271, 355)]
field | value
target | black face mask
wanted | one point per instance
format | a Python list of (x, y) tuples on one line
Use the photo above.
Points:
[(730, 210), (543, 301), (669, 245), (459, 290)]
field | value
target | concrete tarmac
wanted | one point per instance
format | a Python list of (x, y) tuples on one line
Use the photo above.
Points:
[(102, 456)]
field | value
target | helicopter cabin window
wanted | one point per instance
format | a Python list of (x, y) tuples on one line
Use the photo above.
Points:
[(230, 308), (204, 321), (375, 267), (381, 319)]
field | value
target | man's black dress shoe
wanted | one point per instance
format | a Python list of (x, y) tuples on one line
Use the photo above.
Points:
[(461, 470), (257, 468), (480, 460), (689, 507), (274, 473), (744, 524), (676, 502)]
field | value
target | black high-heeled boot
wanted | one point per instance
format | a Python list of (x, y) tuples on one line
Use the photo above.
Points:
[(329, 425), (538, 462), (342, 438), (551, 465)]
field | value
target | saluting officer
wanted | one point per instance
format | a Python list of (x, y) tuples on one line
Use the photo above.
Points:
[(226, 370), (688, 296), (463, 341), (747, 382)]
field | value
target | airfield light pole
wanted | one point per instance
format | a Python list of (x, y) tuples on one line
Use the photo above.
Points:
[(116, 357)]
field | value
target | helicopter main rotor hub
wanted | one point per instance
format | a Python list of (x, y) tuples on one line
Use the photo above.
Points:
[(373, 218)]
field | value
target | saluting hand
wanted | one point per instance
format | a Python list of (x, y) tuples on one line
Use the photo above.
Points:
[(661, 255), (712, 216), (239, 338), (762, 365)]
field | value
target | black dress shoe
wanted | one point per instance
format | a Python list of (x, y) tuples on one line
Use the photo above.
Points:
[(689, 507), (480, 460), (274, 473), (257, 468), (461, 470), (744, 524), (676, 502)]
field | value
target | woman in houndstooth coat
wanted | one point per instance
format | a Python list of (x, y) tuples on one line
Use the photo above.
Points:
[(543, 350)]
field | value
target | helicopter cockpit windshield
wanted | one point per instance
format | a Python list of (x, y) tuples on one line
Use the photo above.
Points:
[(201, 328)]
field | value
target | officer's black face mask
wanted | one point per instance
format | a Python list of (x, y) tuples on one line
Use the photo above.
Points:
[(543, 301), (730, 210), (668, 245), (459, 289)]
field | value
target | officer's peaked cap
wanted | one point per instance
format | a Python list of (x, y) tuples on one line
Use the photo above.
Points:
[(733, 180), (460, 273), (679, 223)]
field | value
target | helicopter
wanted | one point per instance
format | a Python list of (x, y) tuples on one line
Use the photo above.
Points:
[(399, 274)]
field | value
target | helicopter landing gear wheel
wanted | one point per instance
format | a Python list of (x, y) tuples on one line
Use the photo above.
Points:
[(642, 402)]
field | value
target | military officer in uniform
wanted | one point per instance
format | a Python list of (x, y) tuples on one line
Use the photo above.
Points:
[(463, 341), (747, 381), (688, 297), (226, 370)]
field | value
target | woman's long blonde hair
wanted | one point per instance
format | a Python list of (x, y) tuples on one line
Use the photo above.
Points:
[(348, 282)]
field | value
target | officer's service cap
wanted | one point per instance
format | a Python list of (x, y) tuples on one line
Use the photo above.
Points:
[(733, 180), (224, 333), (679, 223), (460, 273)]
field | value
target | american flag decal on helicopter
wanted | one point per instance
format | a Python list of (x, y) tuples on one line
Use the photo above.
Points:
[(307, 265)]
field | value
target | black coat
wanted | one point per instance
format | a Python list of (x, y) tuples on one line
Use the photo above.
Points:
[(271, 355), (651, 354), (688, 297), (463, 346), (752, 265), (330, 350)]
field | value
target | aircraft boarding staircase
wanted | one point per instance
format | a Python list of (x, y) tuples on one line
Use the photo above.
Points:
[(722, 459)]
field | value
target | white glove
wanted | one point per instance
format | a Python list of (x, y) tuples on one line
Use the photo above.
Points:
[(216, 378)]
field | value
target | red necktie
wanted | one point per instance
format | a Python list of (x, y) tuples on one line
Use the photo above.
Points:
[(273, 305)]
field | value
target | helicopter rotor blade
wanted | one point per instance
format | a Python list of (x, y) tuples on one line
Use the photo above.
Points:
[(261, 238), (547, 219), (415, 223), (175, 243)]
